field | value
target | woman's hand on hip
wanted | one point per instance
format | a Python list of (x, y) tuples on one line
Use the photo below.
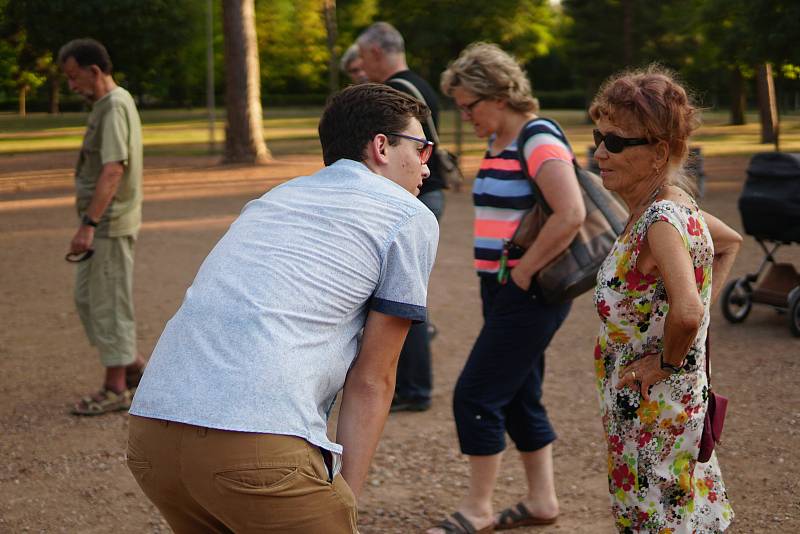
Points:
[(642, 374)]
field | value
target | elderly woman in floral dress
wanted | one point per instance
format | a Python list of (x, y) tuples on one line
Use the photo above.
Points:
[(653, 297)]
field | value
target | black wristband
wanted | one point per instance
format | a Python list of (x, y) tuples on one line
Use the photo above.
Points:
[(668, 366), (87, 221)]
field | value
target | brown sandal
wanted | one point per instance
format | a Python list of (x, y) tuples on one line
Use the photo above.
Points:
[(519, 516), (461, 526), (108, 402)]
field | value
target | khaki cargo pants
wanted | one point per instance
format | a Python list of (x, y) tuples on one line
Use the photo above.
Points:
[(104, 298), (207, 480)]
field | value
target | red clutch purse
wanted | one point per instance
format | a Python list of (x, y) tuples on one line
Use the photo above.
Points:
[(715, 416)]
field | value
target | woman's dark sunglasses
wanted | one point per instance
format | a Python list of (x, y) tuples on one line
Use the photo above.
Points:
[(424, 152), (615, 143)]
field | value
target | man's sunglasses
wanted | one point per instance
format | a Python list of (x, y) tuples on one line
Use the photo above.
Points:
[(424, 151), (616, 144)]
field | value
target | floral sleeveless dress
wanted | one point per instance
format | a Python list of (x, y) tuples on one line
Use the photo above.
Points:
[(655, 481)]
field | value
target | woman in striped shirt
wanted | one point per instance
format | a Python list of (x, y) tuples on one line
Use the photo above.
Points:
[(499, 389)]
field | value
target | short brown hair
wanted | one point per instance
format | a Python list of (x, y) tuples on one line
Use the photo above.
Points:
[(654, 101), (356, 114)]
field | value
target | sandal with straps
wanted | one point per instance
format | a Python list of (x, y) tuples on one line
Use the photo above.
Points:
[(519, 516), (462, 525), (106, 401)]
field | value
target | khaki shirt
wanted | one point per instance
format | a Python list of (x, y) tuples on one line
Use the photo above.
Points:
[(114, 133)]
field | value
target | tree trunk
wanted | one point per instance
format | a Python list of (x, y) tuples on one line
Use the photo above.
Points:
[(23, 91), (738, 97), (244, 135), (210, 103), (55, 93), (627, 31), (767, 106), (459, 140), (333, 59)]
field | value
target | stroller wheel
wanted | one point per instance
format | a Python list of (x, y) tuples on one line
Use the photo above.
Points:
[(736, 300), (794, 311)]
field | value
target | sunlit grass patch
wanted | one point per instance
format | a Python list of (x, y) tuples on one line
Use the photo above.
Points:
[(182, 131)]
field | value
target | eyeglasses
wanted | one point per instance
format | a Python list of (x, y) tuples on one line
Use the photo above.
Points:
[(425, 150), (616, 144), (467, 108)]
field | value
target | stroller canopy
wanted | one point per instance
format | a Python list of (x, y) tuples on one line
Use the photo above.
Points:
[(770, 200)]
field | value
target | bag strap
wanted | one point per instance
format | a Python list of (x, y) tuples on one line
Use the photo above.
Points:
[(708, 356), (599, 197), (415, 92), (537, 193)]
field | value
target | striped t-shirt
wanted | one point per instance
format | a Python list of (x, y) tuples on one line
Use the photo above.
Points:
[(502, 194)]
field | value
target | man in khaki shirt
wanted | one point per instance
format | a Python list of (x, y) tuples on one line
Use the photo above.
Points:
[(108, 183)]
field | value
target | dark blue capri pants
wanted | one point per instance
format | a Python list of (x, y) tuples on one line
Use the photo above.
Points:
[(500, 387)]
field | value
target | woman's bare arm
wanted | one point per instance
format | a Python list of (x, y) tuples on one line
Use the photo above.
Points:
[(726, 245), (685, 309)]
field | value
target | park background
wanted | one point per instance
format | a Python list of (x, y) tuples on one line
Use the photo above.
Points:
[(62, 474)]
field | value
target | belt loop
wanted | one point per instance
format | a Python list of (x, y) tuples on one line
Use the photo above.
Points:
[(202, 431), (164, 423)]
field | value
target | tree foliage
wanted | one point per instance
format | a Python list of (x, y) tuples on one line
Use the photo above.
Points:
[(158, 46), (150, 42), (435, 32)]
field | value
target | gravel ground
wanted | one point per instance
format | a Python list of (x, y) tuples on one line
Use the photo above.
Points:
[(66, 474)]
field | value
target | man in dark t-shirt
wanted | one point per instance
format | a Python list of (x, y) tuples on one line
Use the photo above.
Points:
[(383, 56)]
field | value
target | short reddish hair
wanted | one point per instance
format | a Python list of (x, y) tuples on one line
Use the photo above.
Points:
[(653, 101)]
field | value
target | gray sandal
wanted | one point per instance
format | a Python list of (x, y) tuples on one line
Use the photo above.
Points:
[(108, 402)]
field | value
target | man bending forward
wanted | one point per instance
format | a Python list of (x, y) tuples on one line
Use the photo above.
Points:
[(229, 432)]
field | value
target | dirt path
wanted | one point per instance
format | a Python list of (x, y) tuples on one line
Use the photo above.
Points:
[(63, 474)]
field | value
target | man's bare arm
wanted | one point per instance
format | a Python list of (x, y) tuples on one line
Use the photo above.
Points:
[(367, 395), (106, 188)]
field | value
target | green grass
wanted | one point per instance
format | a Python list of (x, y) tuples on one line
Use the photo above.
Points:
[(294, 130)]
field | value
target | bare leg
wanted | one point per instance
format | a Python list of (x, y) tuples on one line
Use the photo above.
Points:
[(114, 382), (476, 506), (137, 365), (115, 379), (541, 499)]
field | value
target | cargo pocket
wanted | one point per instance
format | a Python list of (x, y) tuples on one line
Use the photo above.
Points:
[(257, 481)]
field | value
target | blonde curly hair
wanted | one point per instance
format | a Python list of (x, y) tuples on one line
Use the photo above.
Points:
[(491, 73)]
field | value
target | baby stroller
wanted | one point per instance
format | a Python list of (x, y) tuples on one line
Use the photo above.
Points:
[(770, 208)]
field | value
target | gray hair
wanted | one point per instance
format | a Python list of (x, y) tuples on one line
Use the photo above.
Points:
[(384, 36), (350, 55)]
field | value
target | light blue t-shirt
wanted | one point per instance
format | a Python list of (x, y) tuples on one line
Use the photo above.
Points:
[(268, 329)]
